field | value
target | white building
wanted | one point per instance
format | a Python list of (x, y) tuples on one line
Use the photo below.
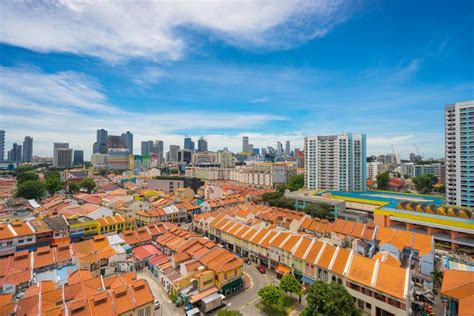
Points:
[(373, 169), (459, 152), (336, 162)]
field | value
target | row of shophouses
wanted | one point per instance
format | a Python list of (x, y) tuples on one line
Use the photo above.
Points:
[(378, 266)]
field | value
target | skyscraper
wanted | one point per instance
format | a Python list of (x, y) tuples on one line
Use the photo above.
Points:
[(15, 154), (27, 149), (62, 155), (2, 145), (100, 146), (127, 141), (172, 155), (202, 145), (114, 141), (287, 148), (459, 137), (245, 144), (336, 162), (188, 144), (160, 151), (78, 157), (147, 148)]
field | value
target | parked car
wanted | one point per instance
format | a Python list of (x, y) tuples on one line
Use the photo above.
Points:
[(261, 269), (157, 304)]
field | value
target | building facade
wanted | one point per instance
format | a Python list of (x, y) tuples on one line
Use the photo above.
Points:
[(62, 155), (2, 145), (336, 162), (459, 153), (27, 149), (127, 140)]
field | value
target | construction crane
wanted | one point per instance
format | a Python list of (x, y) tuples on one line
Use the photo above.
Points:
[(416, 148)]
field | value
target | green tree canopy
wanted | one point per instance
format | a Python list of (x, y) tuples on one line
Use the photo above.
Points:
[(73, 187), (329, 299), (290, 284), (53, 184), (271, 296), (320, 210), (88, 184), (52, 174), (424, 183), (26, 176), (229, 312), (295, 183), (382, 180), (31, 189)]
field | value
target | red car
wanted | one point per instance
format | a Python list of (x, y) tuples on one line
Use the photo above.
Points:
[(261, 269)]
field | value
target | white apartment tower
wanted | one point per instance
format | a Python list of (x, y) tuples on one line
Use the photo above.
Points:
[(459, 153), (336, 162)]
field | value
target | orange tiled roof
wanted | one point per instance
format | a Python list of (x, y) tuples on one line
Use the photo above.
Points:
[(391, 280), (361, 270)]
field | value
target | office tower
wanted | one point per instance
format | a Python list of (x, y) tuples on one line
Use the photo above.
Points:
[(256, 151), (27, 149), (160, 151), (188, 144), (114, 141), (78, 157), (100, 146), (62, 157), (412, 157), (279, 149), (202, 145), (2, 145), (147, 148), (127, 141), (172, 155), (459, 153), (245, 144), (287, 148), (336, 162), (15, 154)]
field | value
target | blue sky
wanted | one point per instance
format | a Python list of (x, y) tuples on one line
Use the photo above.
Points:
[(272, 70)]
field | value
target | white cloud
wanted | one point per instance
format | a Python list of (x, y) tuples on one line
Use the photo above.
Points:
[(259, 100), (70, 107), (116, 30), (149, 76)]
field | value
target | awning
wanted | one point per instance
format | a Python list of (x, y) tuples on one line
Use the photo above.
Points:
[(307, 280), (197, 297), (283, 270)]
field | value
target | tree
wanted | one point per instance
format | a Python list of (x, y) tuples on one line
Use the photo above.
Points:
[(31, 189), (289, 283), (329, 299), (320, 210), (73, 187), (50, 174), (437, 278), (382, 180), (26, 176), (229, 312), (295, 183), (53, 184), (424, 183), (88, 184), (267, 197), (271, 296)]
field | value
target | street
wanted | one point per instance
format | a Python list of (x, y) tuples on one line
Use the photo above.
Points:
[(167, 307)]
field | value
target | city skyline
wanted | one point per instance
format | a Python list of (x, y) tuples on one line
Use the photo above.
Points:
[(354, 67)]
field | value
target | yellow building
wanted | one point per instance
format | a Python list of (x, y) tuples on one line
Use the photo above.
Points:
[(82, 227), (116, 223)]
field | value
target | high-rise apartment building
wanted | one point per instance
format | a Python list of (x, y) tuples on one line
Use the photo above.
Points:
[(62, 155), (2, 145), (127, 141), (27, 149), (160, 150), (100, 146), (459, 153), (336, 162), (202, 145)]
